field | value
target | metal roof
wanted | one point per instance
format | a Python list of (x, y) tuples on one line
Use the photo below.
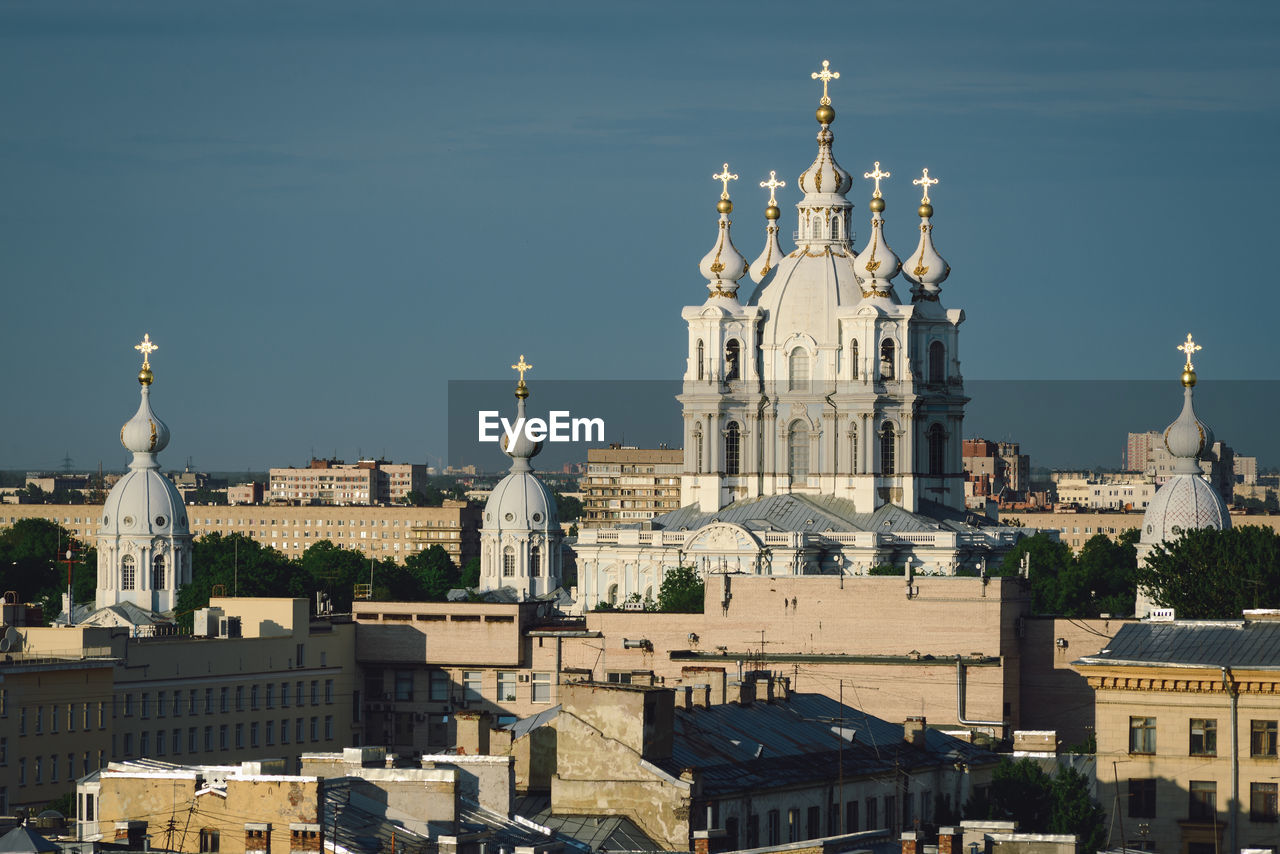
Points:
[(814, 514), (1240, 644), (793, 741), (524, 726), (613, 833)]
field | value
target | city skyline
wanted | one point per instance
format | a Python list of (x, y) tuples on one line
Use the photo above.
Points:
[(293, 203)]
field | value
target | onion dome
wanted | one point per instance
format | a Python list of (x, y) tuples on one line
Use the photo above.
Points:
[(772, 251), (877, 264), (825, 175), (724, 264), (145, 434), (523, 448), (1187, 500), (925, 269)]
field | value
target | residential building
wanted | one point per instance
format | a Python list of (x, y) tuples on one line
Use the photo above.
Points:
[(389, 533), (626, 484), (1138, 448), (995, 468), (1106, 494), (246, 493), (1245, 470), (1187, 716)]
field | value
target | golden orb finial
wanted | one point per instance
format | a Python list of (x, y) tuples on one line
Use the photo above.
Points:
[(146, 348), (1189, 347)]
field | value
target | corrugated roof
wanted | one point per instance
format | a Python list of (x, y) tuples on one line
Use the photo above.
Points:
[(1194, 643), (613, 833)]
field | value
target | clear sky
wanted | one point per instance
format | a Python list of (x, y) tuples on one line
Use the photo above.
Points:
[(323, 212)]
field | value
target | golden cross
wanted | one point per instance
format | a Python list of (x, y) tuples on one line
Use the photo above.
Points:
[(826, 75), (1189, 347), (773, 184), (926, 182), (146, 348), (876, 175), (724, 178), (521, 366)]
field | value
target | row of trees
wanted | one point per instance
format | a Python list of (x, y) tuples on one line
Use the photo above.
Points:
[(1101, 579)]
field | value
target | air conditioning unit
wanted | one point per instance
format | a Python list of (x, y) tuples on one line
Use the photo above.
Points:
[(523, 677)]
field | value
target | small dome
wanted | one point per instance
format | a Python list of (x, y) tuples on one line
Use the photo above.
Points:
[(521, 502), (1187, 438), (877, 264), (724, 264), (144, 433), (1186, 502), (825, 175), (769, 256), (144, 503)]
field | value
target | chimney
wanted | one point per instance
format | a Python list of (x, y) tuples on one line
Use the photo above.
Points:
[(746, 692), (765, 682), (913, 842), (950, 840), (782, 687), (684, 697), (473, 732), (702, 696), (913, 731)]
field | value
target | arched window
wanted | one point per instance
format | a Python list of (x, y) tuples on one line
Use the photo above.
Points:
[(853, 356), (798, 450), (937, 362), (702, 357), (508, 562), (886, 359), (937, 450), (697, 450), (534, 568), (835, 227), (853, 450), (886, 449), (613, 594), (733, 359), (732, 448), (798, 370), (128, 573), (157, 573)]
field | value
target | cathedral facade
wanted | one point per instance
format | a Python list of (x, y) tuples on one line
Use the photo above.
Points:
[(822, 409)]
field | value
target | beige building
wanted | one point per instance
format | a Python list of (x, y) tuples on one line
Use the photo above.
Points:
[(1075, 528), (388, 533), (630, 484), (77, 697), (1094, 494), (1187, 716), (335, 482)]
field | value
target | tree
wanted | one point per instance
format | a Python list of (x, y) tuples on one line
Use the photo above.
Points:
[(682, 591), (433, 572), (31, 551), (1212, 574), (1049, 559), (242, 566), (337, 571), (470, 576), (568, 508), (1022, 792)]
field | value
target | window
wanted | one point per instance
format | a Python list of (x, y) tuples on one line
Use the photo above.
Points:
[(177, 741), (1262, 739), (157, 573), (775, 828), (315, 728), (813, 823), (1142, 798), (937, 450), (1262, 802), (733, 359), (208, 701), (208, 840), (1204, 737), (886, 359), (701, 358), (299, 730), (835, 235), (253, 697), (793, 825), (853, 358), (798, 450), (224, 700), (542, 687), (271, 695), (224, 739), (937, 363), (508, 562), (239, 698), (472, 681), (315, 692), (535, 560), (328, 691), (887, 461), (284, 695), (697, 444), (798, 370), (328, 727), (851, 817), (872, 820), (506, 686), (1203, 802), (128, 573), (284, 731), (160, 742), (732, 448), (253, 734)]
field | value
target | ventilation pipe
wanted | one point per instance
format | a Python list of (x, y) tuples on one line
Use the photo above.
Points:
[(960, 684)]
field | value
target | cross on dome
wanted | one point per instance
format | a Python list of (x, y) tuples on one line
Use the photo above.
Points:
[(724, 178), (522, 366), (876, 176), (147, 347), (826, 75), (772, 184), (1189, 347), (925, 183)]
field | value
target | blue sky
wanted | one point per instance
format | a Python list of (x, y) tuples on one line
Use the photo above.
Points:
[(323, 212)]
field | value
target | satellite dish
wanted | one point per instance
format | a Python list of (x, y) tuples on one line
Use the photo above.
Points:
[(12, 640)]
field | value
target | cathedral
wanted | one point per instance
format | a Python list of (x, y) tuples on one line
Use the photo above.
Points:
[(822, 409)]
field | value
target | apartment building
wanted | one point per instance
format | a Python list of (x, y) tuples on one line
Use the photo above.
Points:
[(626, 484), (1094, 494), (332, 481), (384, 532)]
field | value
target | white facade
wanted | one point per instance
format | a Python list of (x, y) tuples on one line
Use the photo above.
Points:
[(144, 542)]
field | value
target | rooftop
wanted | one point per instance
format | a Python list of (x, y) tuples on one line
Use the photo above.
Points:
[(1251, 645)]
